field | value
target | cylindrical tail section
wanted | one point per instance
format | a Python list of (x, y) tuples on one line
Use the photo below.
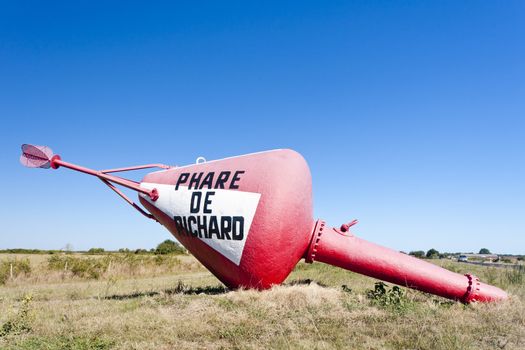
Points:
[(342, 249)]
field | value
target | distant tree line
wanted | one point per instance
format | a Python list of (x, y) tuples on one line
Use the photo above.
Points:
[(435, 254), (166, 247), (171, 247), (28, 251), (163, 248)]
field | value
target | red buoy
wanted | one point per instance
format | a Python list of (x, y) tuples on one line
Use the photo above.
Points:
[(248, 219)]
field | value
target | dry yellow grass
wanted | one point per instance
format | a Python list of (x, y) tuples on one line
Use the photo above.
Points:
[(187, 308)]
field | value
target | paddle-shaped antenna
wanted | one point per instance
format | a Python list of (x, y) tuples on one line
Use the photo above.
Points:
[(43, 157), (36, 156)]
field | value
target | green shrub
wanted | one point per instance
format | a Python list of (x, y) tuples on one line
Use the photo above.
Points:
[(94, 268), (169, 247), (18, 267), (381, 295), (417, 253), (81, 267), (432, 254), (96, 251)]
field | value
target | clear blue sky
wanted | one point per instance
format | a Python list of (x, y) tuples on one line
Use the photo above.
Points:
[(411, 114)]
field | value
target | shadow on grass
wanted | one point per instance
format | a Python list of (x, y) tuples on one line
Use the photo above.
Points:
[(184, 289), (304, 282), (181, 288)]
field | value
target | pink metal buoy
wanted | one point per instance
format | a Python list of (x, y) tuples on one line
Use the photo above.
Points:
[(248, 219)]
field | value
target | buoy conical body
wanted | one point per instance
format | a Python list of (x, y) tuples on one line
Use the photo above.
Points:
[(248, 219)]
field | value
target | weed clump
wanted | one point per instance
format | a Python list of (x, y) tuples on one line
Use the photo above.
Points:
[(21, 321), (393, 298), (514, 276), (69, 342)]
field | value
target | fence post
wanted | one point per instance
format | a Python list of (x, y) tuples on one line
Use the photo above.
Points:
[(11, 270)]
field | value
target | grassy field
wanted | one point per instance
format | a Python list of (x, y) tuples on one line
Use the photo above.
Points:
[(148, 302)]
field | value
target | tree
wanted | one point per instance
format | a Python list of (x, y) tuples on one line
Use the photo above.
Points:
[(484, 251), (417, 253), (68, 248), (169, 247), (96, 251), (432, 254)]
